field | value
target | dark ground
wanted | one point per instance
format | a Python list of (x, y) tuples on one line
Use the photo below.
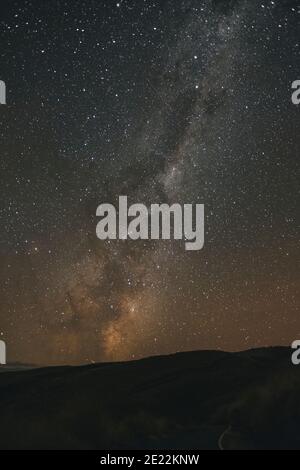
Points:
[(184, 401)]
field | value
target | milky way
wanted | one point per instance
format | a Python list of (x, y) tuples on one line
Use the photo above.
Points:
[(162, 101)]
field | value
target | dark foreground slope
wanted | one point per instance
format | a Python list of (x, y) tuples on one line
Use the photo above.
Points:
[(197, 400)]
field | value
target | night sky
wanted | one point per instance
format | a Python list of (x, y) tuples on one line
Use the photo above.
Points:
[(163, 101)]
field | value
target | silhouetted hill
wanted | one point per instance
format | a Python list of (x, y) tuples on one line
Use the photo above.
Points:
[(15, 367), (194, 400)]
